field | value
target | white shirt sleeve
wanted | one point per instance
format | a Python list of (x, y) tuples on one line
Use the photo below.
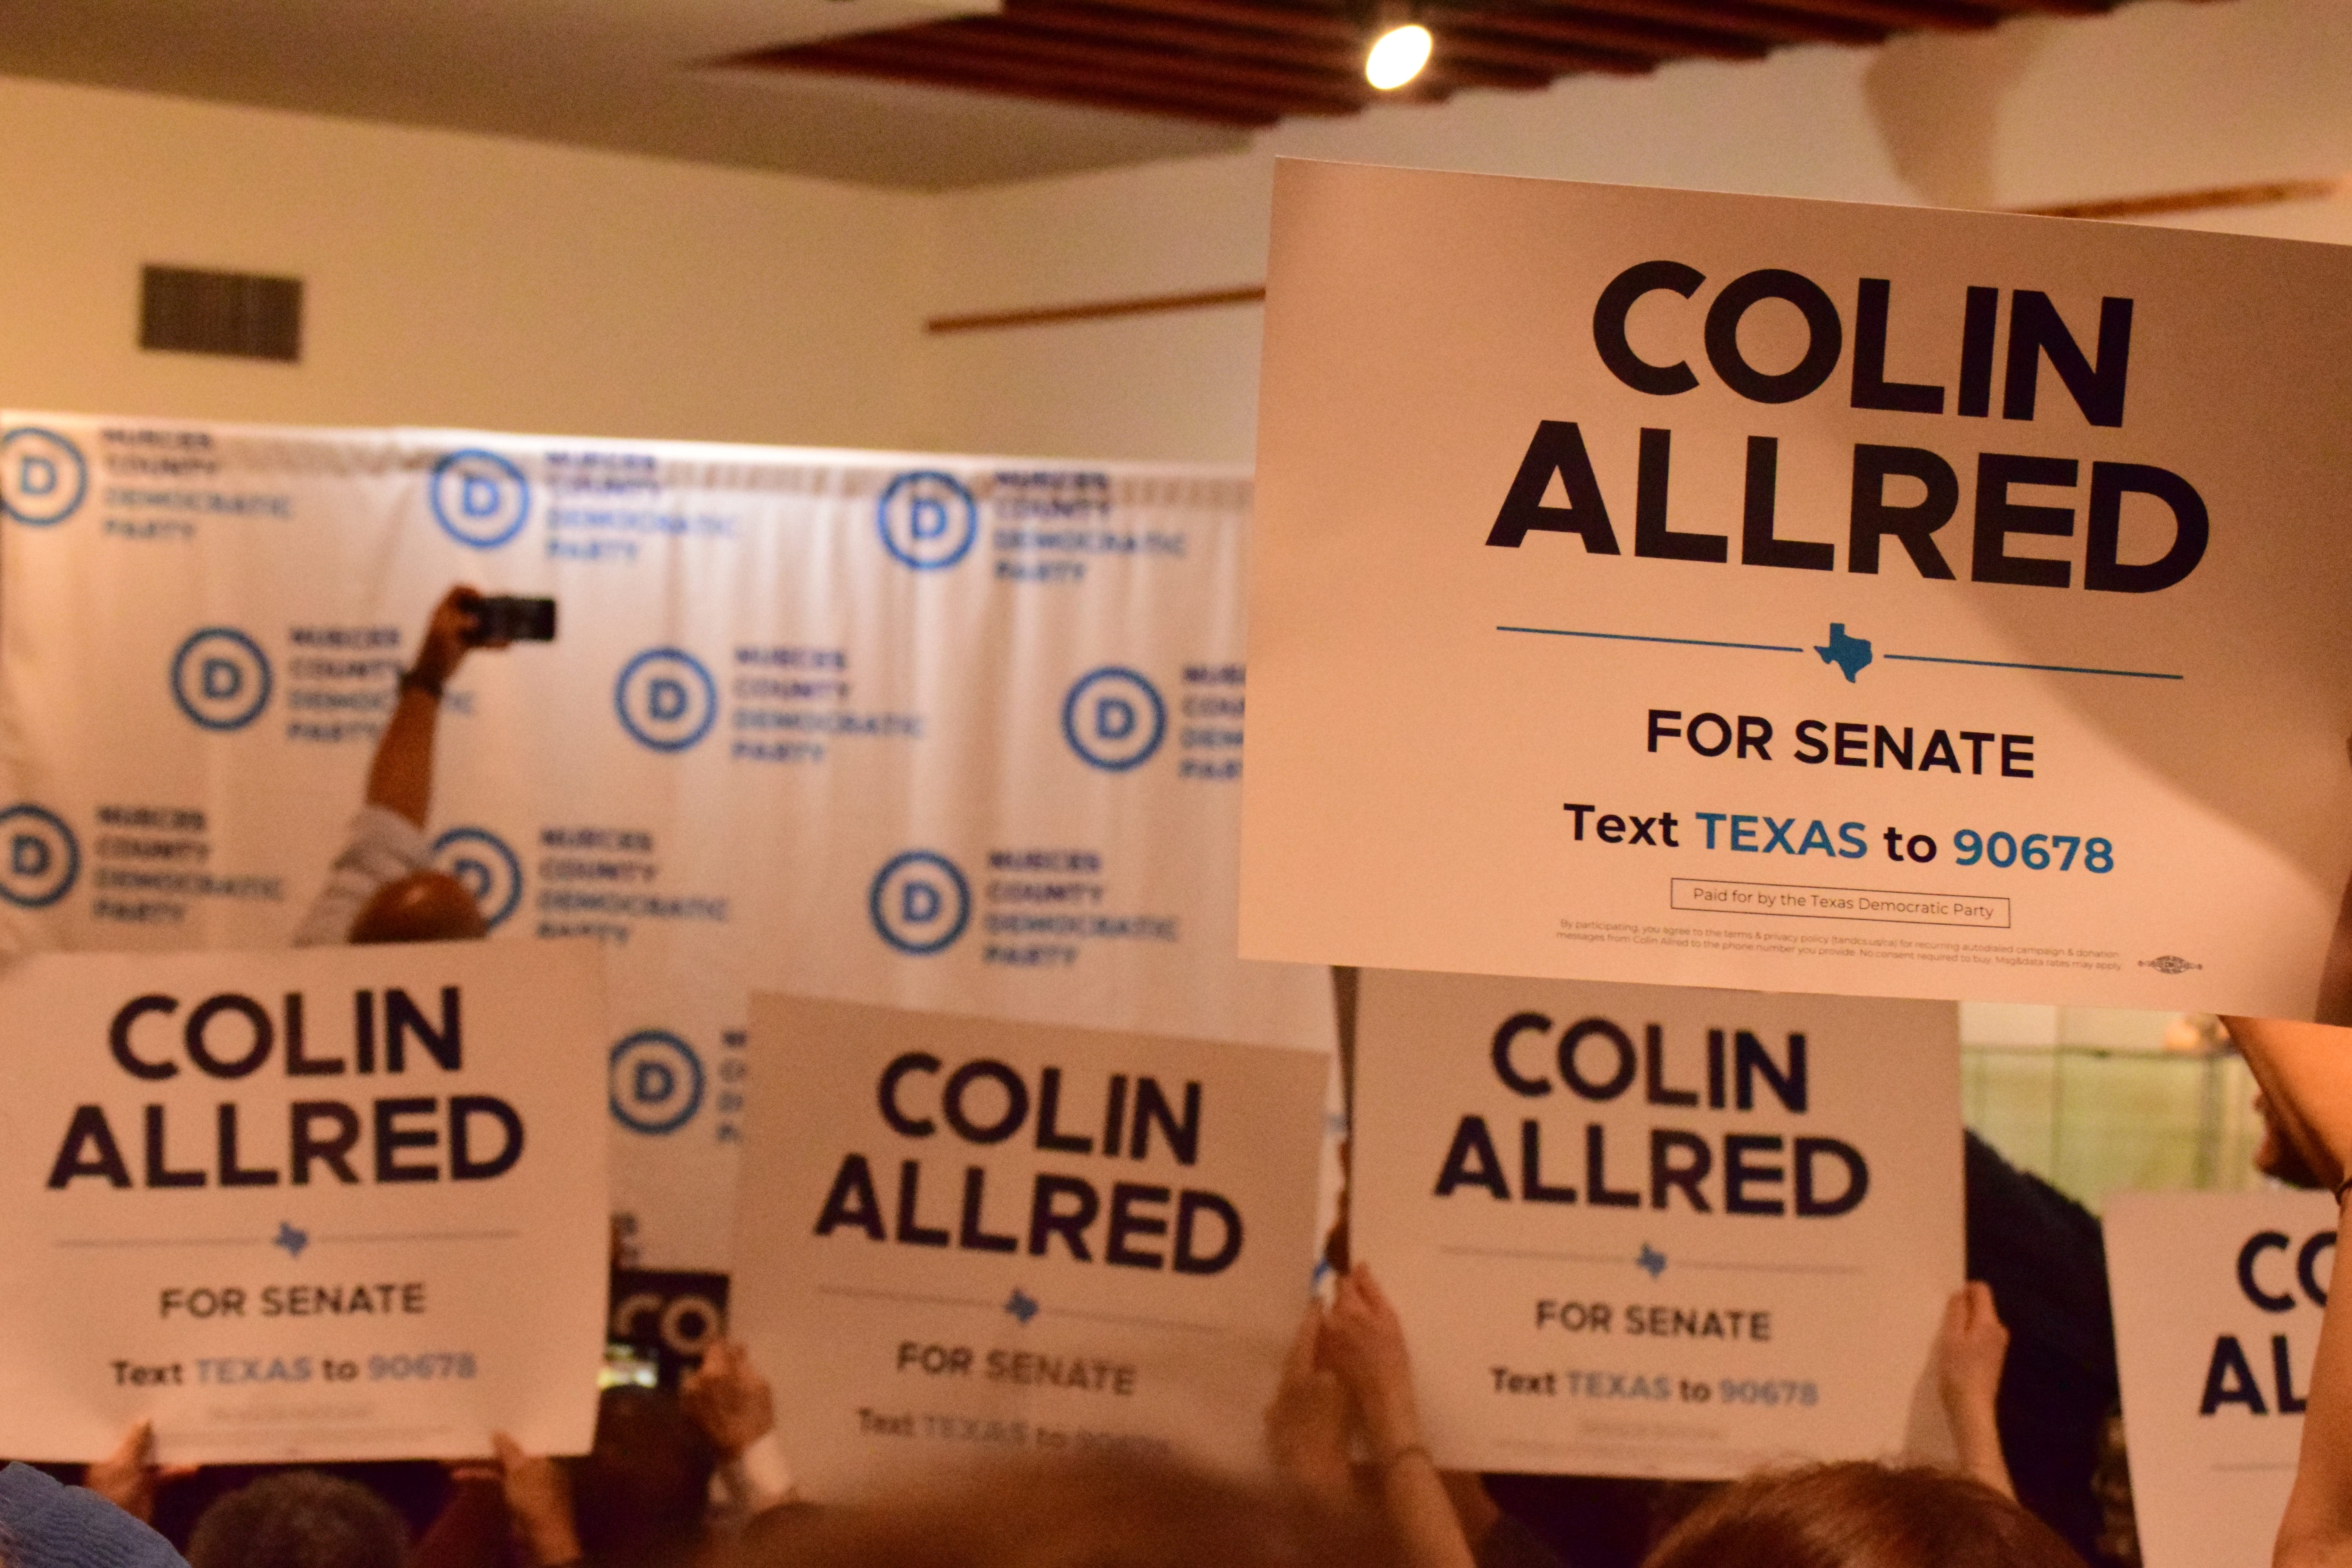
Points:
[(384, 847), (754, 1481)]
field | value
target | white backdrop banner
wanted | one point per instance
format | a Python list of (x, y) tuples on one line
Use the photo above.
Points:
[(1694, 589), (922, 732), (2218, 1299), (1634, 1230), (963, 1238), (281, 1203)]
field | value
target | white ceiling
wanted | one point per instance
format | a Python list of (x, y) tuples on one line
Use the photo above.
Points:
[(628, 75)]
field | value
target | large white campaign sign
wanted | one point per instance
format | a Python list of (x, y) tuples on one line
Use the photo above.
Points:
[(1640, 1231), (960, 1237), (917, 730), (2217, 1299), (1701, 589), (346, 1204)]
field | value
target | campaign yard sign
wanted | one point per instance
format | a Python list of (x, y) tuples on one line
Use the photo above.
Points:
[(1682, 588), (1641, 1231), (2217, 1301), (337, 1204), (961, 1237)]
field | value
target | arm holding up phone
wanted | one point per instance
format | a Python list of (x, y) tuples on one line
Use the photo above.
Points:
[(383, 887), (399, 779)]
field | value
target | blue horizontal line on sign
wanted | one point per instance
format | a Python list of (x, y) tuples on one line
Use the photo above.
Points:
[(908, 1296), (1538, 1256), (1130, 1318), (163, 1241), (1629, 636), (2054, 669), (424, 1236), (1545, 1257), (1774, 1268)]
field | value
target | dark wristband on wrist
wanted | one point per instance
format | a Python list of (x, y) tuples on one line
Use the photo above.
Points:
[(410, 681)]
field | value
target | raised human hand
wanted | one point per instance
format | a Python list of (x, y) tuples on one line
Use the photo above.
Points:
[(448, 635), (1363, 1341), (1307, 1424), (729, 1399), (1970, 1349), (129, 1476), (539, 1499)]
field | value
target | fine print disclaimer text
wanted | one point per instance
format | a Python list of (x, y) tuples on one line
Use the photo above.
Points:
[(1960, 948)]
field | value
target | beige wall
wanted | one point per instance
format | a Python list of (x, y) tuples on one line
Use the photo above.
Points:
[(469, 280), (2158, 96), (453, 279)]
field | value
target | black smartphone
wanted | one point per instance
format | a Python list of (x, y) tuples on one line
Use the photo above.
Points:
[(504, 617)]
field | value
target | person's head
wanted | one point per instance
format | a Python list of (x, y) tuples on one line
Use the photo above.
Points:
[(424, 906), (43, 1521), (1859, 1515), (300, 1518), (1100, 1513), (642, 1491)]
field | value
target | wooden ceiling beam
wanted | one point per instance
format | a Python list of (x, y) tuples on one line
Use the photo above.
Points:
[(1457, 43), (1734, 25), (1072, 63), (1343, 83), (1457, 71), (1898, 15), (1656, 42), (1288, 21), (834, 59), (1251, 62), (1302, 90), (1770, 23), (1203, 38), (1338, 31)]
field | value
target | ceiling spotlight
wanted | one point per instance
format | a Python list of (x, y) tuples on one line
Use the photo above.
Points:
[(1398, 56)]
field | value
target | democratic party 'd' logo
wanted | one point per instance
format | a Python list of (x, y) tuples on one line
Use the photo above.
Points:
[(1114, 718), (655, 1081), (220, 679), (42, 476), (928, 519), (39, 858), (482, 861), (919, 903), (480, 498), (667, 700)]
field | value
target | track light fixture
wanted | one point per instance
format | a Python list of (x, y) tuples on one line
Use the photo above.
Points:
[(1397, 55)]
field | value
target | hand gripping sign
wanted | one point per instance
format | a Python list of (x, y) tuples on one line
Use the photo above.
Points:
[(1733, 591), (960, 1237), (1641, 1231), (335, 1204)]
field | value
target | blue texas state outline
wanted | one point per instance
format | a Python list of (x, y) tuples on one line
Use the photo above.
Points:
[(1850, 654)]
